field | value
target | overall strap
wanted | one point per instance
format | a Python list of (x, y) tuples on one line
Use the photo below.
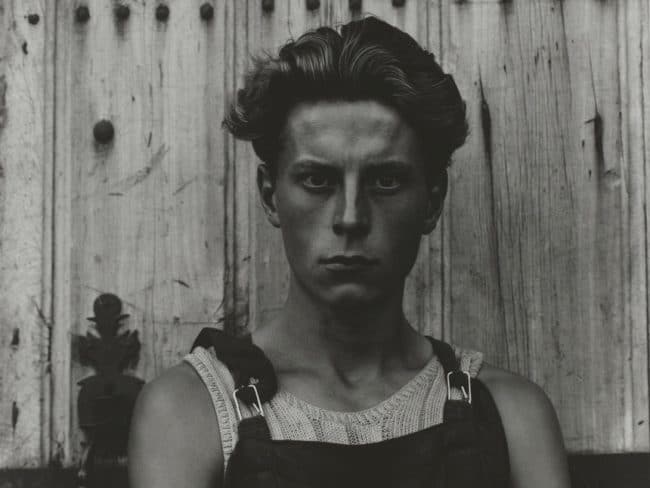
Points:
[(463, 466), (246, 362), (252, 372), (445, 354), (454, 409)]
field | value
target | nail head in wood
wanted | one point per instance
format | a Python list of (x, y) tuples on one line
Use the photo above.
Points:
[(122, 12), (268, 6), (207, 11), (82, 14), (313, 4), (162, 12), (103, 131)]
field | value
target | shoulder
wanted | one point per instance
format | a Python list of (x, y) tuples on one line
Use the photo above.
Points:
[(174, 438), (535, 444), (510, 389)]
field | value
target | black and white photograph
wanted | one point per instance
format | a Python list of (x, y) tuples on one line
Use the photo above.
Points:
[(324, 243)]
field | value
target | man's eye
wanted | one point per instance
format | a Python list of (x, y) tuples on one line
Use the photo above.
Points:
[(316, 181), (388, 182)]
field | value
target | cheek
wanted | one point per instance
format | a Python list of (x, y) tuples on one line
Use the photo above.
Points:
[(402, 226), (298, 213), (403, 218), (300, 219)]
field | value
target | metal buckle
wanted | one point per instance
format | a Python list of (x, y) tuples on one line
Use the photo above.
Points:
[(467, 394), (251, 384)]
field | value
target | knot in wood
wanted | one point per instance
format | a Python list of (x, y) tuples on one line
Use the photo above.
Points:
[(207, 11), (162, 12), (355, 5), (122, 12), (313, 4), (103, 131), (268, 5), (82, 14)]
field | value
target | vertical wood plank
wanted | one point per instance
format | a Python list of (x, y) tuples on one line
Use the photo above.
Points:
[(634, 82), (60, 394), (547, 252), (140, 216), (25, 156), (468, 244), (239, 181)]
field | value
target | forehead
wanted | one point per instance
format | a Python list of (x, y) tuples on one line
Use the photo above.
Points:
[(342, 131)]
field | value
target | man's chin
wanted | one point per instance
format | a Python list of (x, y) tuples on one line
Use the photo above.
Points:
[(353, 297)]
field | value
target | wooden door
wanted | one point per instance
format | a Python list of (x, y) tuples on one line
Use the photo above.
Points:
[(540, 259)]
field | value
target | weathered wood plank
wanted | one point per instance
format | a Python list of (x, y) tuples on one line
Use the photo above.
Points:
[(547, 251), (239, 182), (634, 82), (25, 159), (140, 216)]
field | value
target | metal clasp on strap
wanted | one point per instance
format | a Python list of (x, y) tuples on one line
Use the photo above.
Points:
[(258, 406), (467, 392)]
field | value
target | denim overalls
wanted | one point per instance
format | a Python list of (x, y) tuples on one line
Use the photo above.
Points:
[(468, 449)]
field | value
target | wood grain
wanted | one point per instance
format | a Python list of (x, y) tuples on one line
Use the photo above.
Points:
[(25, 159), (141, 216), (540, 259), (547, 251)]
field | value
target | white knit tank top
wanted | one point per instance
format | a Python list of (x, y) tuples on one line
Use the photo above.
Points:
[(416, 406)]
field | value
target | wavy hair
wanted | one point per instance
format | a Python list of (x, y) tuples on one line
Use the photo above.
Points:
[(368, 59)]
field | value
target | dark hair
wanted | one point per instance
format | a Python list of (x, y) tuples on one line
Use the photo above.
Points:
[(369, 59)]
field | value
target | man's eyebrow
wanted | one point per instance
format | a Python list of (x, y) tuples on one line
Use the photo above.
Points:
[(373, 166), (312, 164)]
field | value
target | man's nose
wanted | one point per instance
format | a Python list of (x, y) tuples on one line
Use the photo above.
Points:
[(352, 210)]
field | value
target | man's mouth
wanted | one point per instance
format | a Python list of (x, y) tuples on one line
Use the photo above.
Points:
[(348, 262)]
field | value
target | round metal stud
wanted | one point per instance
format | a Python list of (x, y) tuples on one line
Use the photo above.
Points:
[(162, 12), (268, 6), (207, 11), (82, 14), (103, 131), (122, 12), (313, 4)]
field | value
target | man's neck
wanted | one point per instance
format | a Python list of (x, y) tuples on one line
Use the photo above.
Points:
[(355, 344)]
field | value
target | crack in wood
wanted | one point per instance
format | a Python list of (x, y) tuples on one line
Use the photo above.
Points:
[(15, 412), (3, 101), (15, 339)]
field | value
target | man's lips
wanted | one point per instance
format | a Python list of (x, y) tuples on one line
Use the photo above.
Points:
[(348, 261)]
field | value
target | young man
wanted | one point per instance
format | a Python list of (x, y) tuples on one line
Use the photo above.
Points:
[(355, 130)]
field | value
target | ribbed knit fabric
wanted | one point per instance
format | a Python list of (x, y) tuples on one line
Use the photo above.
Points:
[(416, 406)]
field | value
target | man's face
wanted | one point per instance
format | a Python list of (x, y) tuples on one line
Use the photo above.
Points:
[(350, 184)]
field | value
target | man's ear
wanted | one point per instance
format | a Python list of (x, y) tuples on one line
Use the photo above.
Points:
[(266, 188), (435, 204)]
